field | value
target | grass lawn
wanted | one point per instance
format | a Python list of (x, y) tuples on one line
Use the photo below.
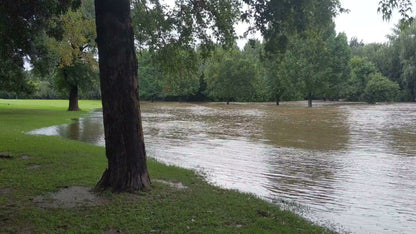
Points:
[(41, 165)]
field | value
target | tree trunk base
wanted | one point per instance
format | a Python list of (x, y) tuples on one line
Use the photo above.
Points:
[(73, 99), (73, 109), (310, 100), (129, 183)]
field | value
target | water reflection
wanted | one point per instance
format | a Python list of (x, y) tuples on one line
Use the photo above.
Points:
[(352, 166), (90, 130)]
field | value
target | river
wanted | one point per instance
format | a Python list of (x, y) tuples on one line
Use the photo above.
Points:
[(350, 167)]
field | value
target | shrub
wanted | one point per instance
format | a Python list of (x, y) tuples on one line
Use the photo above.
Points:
[(380, 89)]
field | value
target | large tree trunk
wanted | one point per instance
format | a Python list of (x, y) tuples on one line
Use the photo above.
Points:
[(125, 151), (73, 99), (310, 99)]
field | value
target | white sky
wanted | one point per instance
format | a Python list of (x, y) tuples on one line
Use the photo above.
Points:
[(364, 22)]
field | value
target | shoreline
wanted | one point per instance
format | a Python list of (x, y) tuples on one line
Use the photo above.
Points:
[(43, 165)]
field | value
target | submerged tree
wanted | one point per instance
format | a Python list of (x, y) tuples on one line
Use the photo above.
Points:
[(361, 70), (281, 21), (231, 77), (380, 89), (339, 69)]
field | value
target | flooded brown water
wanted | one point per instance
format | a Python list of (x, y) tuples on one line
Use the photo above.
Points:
[(349, 167)]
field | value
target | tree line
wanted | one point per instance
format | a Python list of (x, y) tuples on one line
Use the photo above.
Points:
[(317, 63)]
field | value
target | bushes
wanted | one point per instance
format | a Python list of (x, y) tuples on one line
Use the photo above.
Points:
[(380, 89)]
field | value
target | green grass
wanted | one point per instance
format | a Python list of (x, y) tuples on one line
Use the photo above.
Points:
[(201, 208)]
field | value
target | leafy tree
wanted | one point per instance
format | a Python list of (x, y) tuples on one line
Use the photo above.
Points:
[(305, 66), (254, 52), (77, 67), (19, 29), (339, 70), (283, 77), (386, 7), (314, 64), (355, 44), (380, 89), (202, 93), (407, 45), (231, 77), (361, 69), (150, 77), (13, 78), (278, 20), (405, 8)]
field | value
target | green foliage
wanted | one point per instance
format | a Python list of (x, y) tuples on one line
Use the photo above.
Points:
[(177, 37), (339, 70), (304, 69), (157, 81), (231, 77), (69, 61), (361, 69), (21, 23), (407, 50), (191, 83), (13, 78), (45, 90), (386, 7), (380, 89), (77, 74), (254, 52), (150, 77), (278, 20), (173, 32), (396, 59)]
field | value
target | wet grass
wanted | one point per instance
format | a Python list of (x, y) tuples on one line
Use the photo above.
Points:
[(63, 163)]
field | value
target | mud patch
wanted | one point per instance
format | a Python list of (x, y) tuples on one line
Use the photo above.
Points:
[(112, 230), (5, 156), (70, 197), (178, 186), (24, 157), (34, 166), (5, 191)]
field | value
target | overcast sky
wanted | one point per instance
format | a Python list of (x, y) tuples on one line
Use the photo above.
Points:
[(364, 22)]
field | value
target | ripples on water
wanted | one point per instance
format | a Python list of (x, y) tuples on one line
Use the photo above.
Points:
[(352, 167)]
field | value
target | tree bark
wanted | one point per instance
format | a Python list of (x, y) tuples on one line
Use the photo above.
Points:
[(310, 99), (125, 149), (73, 99), (277, 99)]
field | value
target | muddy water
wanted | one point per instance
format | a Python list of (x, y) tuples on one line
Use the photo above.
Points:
[(350, 167)]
